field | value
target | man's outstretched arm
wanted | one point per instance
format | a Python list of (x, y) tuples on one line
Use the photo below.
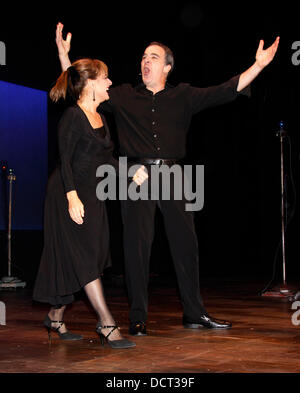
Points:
[(262, 59), (63, 47)]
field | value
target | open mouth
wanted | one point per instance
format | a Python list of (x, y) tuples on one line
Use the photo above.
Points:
[(146, 71)]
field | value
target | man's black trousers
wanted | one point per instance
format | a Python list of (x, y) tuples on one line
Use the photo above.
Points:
[(138, 228)]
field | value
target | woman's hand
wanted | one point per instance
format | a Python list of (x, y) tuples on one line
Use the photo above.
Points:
[(76, 208), (140, 176)]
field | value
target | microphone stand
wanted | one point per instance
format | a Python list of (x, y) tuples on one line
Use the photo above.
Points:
[(282, 290), (9, 282)]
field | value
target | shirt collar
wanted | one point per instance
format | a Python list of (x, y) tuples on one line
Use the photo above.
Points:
[(141, 88)]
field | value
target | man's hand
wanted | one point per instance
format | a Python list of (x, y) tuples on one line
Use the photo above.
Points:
[(140, 176), (63, 47), (262, 59), (265, 56)]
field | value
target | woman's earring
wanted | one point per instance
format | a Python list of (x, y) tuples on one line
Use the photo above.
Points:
[(94, 99)]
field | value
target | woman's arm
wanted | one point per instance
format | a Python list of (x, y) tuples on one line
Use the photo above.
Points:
[(68, 137)]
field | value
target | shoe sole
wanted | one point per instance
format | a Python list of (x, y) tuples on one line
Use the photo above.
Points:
[(138, 334), (199, 326), (121, 347)]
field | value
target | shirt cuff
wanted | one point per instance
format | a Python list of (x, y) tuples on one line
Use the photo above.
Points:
[(246, 91)]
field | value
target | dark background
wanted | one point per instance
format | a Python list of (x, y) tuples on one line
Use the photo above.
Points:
[(239, 229)]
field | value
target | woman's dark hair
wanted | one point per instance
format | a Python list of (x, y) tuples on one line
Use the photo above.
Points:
[(72, 81)]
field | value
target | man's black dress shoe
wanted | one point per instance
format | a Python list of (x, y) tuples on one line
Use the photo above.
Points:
[(138, 328), (205, 321)]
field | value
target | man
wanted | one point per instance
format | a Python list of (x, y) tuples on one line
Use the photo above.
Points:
[(152, 122)]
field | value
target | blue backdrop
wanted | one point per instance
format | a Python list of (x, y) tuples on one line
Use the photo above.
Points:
[(24, 147)]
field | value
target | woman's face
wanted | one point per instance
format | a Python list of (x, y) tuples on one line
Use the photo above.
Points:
[(100, 86)]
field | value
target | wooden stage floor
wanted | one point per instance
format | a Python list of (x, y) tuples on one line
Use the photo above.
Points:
[(263, 338)]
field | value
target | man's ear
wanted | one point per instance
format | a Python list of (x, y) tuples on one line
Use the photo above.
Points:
[(167, 68)]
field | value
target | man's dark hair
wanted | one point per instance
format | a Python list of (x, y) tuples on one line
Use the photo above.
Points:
[(169, 54)]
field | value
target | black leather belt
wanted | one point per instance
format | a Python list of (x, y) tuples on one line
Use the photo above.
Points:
[(153, 161)]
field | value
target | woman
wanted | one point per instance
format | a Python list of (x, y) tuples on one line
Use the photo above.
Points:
[(76, 234)]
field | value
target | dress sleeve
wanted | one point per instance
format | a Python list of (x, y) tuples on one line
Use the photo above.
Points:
[(202, 98), (68, 137)]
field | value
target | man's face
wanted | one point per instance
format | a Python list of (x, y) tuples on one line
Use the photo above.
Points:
[(153, 66)]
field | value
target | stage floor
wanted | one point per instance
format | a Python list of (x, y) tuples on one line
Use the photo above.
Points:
[(263, 338)]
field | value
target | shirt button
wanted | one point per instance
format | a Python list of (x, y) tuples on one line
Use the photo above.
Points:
[(158, 148), (153, 123), (155, 135), (153, 110)]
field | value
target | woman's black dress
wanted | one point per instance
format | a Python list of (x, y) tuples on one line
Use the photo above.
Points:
[(73, 254)]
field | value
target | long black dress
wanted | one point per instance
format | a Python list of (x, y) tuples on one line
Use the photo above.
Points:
[(74, 254)]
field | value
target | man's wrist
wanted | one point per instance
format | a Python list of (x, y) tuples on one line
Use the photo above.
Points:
[(257, 67)]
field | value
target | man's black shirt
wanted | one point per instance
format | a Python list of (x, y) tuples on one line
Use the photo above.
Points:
[(155, 125)]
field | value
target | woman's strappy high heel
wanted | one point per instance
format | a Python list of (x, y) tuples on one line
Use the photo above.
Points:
[(63, 336), (115, 344)]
